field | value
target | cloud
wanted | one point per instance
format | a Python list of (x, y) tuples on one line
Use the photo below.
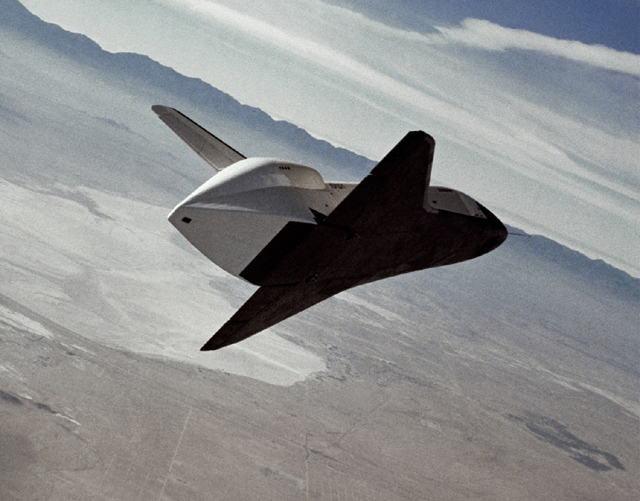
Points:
[(489, 36)]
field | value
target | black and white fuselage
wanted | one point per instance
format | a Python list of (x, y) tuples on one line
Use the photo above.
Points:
[(234, 215), (279, 225)]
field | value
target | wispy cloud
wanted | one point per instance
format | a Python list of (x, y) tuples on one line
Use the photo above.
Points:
[(489, 36)]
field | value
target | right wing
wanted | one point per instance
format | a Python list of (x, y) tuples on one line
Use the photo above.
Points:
[(211, 149)]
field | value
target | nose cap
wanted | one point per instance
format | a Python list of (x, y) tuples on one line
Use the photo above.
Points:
[(496, 232)]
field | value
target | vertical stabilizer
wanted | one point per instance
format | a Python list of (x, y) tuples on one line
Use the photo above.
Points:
[(211, 149)]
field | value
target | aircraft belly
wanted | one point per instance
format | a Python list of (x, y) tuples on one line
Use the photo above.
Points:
[(413, 242), (343, 261)]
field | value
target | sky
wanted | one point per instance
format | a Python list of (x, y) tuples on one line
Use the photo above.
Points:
[(534, 105)]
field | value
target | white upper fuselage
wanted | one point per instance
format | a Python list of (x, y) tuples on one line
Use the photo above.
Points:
[(235, 214)]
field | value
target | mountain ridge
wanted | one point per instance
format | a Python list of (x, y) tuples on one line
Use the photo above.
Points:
[(200, 94), (615, 280)]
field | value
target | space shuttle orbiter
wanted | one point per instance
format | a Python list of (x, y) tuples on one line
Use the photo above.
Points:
[(279, 225)]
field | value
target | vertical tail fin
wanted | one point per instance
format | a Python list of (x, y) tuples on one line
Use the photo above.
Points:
[(211, 149)]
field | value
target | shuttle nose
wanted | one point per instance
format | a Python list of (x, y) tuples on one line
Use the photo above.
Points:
[(494, 231)]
